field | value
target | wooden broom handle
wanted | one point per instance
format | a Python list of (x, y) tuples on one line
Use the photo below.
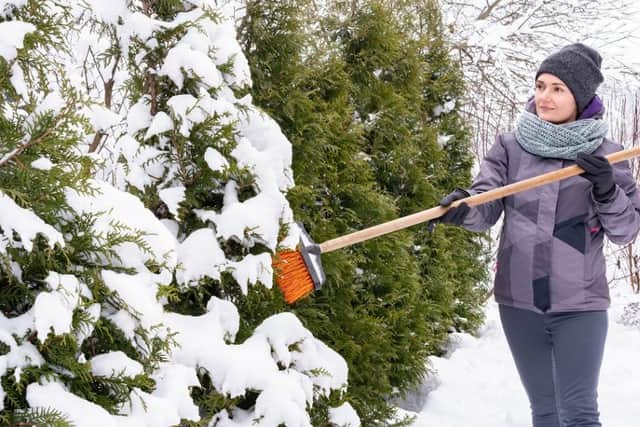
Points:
[(478, 199)]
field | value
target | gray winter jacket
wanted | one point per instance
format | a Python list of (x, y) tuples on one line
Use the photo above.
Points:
[(550, 256)]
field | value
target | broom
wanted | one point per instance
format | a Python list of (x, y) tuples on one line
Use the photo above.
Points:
[(299, 272)]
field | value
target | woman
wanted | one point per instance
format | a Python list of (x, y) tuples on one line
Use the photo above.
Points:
[(550, 281)]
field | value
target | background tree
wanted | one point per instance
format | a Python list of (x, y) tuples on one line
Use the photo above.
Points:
[(355, 95), (407, 91), (212, 168), (51, 257)]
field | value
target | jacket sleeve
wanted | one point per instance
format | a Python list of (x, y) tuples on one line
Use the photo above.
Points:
[(620, 216), (493, 174)]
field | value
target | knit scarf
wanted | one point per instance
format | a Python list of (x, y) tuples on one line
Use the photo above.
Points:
[(562, 141)]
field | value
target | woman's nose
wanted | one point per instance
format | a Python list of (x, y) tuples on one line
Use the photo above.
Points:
[(545, 93)]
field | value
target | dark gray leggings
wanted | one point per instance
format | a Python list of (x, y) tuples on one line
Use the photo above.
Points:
[(558, 357)]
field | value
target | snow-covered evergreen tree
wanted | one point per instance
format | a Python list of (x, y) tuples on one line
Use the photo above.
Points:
[(357, 90), (54, 256), (147, 299)]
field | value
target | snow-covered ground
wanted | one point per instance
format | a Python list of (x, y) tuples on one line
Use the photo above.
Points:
[(477, 385)]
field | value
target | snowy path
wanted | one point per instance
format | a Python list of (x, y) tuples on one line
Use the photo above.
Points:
[(477, 385)]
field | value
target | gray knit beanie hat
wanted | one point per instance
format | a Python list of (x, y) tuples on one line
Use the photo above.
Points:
[(578, 66)]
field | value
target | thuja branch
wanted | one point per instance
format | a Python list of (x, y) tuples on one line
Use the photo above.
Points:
[(13, 154)]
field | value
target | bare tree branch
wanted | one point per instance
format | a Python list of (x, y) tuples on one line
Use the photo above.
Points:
[(108, 94), (487, 12)]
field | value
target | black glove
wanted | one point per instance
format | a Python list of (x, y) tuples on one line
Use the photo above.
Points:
[(455, 215), (598, 170)]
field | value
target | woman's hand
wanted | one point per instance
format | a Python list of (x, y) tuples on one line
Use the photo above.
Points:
[(455, 215), (598, 170)]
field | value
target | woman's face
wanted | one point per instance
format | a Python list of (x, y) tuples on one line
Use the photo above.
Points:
[(554, 101)]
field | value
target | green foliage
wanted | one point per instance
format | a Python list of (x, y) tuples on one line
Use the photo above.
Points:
[(16, 388), (182, 155), (356, 99), (107, 337), (209, 400), (29, 132), (4, 348), (36, 417), (108, 392)]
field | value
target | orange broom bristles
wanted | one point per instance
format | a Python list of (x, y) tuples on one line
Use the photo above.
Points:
[(292, 276)]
